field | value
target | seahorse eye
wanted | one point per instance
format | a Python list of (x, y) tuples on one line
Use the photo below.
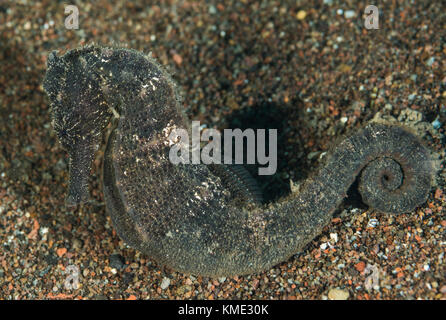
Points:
[(78, 113)]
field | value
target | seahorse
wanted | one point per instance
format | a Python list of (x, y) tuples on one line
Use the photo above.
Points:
[(185, 216)]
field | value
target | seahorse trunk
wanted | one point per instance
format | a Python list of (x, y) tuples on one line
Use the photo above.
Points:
[(186, 218)]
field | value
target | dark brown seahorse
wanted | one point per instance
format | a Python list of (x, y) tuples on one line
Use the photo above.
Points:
[(185, 216)]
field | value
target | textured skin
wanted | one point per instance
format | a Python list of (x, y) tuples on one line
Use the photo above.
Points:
[(186, 216)]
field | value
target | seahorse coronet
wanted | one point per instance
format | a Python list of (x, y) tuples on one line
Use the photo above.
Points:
[(189, 217)]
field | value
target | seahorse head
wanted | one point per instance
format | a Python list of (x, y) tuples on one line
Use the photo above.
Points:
[(79, 110), (78, 107)]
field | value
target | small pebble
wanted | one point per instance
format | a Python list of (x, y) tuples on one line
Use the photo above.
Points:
[(338, 294), (372, 223), (301, 15), (349, 14), (430, 61), (117, 261), (333, 237), (165, 283), (77, 244), (436, 124)]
